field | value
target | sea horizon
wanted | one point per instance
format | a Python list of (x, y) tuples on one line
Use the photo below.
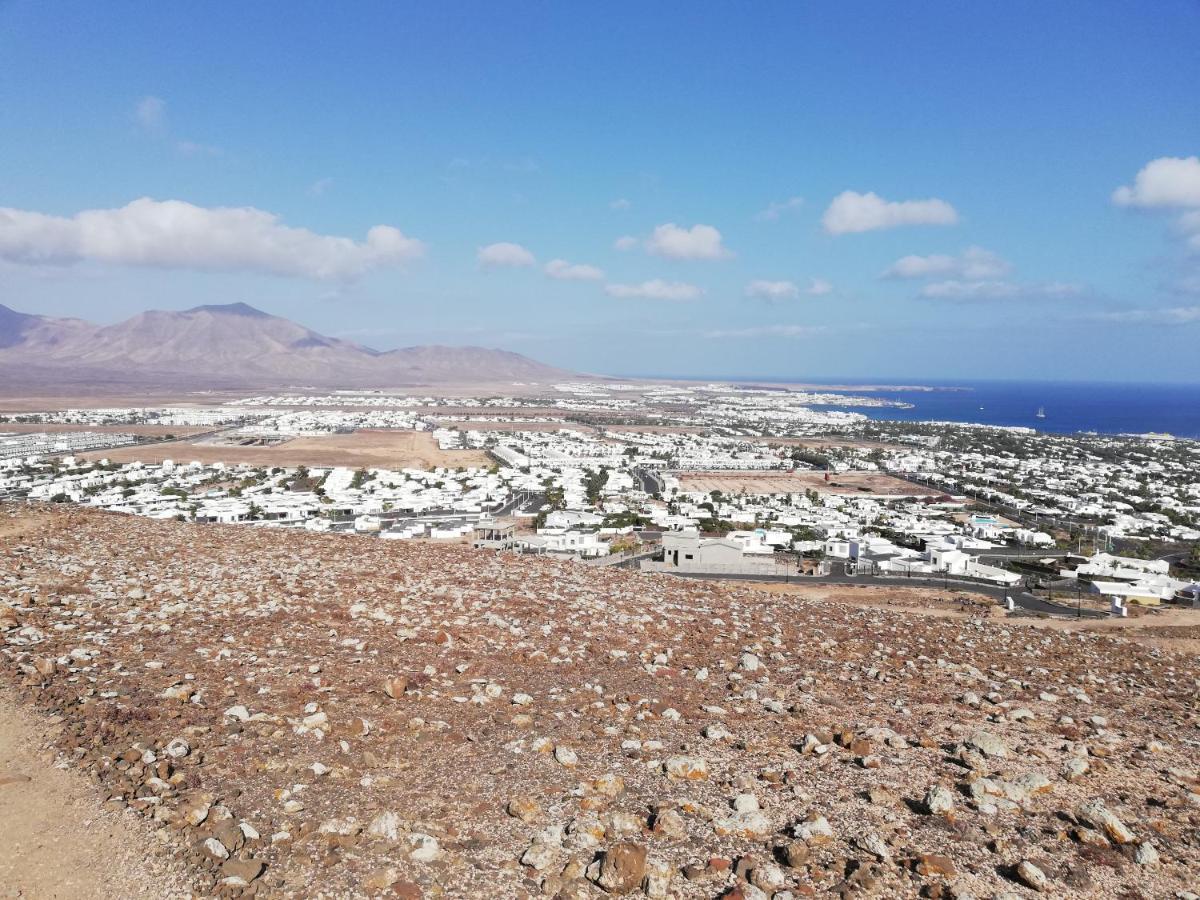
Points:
[(1071, 407)]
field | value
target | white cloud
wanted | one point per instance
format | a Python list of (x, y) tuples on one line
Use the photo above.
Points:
[(656, 289), (320, 186), (1173, 315), (1168, 181), (625, 242), (787, 290), (956, 289), (504, 253), (697, 242), (776, 209), (973, 264), (151, 114), (1171, 183), (176, 234), (619, 204), (787, 331), (772, 290), (565, 271), (1189, 226), (852, 212)]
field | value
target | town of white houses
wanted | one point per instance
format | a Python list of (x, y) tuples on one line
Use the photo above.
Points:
[(703, 480)]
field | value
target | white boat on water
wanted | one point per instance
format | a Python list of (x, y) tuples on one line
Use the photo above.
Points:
[(1041, 413)]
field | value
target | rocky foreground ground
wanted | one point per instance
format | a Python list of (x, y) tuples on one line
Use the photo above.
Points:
[(312, 715)]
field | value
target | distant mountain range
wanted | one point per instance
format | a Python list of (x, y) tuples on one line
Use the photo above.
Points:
[(227, 347)]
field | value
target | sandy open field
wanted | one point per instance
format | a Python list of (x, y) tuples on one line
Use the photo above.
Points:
[(921, 601), (1163, 629), (26, 403), (367, 448), (144, 430), (733, 482), (33, 398)]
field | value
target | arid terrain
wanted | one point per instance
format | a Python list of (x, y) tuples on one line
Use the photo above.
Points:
[(313, 715), (799, 482), (376, 448), (151, 431)]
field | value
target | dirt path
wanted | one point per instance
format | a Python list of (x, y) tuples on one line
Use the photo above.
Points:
[(56, 840)]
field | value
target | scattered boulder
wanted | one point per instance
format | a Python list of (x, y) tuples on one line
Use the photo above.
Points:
[(1031, 876), (1098, 816), (622, 868)]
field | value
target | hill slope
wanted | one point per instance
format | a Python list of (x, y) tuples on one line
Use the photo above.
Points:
[(489, 726), (232, 345)]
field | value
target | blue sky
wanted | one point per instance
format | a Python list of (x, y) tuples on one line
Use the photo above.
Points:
[(765, 164)]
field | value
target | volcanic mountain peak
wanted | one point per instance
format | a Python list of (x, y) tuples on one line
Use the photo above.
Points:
[(231, 309), (233, 345)]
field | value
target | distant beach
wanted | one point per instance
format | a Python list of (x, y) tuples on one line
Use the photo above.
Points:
[(1069, 407)]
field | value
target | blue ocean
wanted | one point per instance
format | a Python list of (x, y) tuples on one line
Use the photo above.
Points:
[(1069, 407)]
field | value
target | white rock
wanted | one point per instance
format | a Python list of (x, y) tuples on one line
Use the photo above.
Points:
[(386, 825), (748, 662), (423, 847), (539, 856), (745, 803), (178, 748), (1145, 855)]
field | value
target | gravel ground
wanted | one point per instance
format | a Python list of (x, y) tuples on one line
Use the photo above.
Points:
[(57, 840), (310, 715)]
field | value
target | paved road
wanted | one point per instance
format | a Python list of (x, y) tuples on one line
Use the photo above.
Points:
[(1022, 553), (649, 481), (1022, 599), (1023, 516), (524, 502), (1039, 522)]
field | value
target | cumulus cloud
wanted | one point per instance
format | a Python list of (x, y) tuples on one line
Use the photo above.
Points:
[(504, 253), (625, 242), (777, 208), (565, 271), (772, 290), (697, 242), (852, 212), (973, 264), (956, 289), (1171, 184), (619, 204), (174, 234), (656, 289), (1169, 181), (150, 113), (787, 331), (787, 290), (765, 289)]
